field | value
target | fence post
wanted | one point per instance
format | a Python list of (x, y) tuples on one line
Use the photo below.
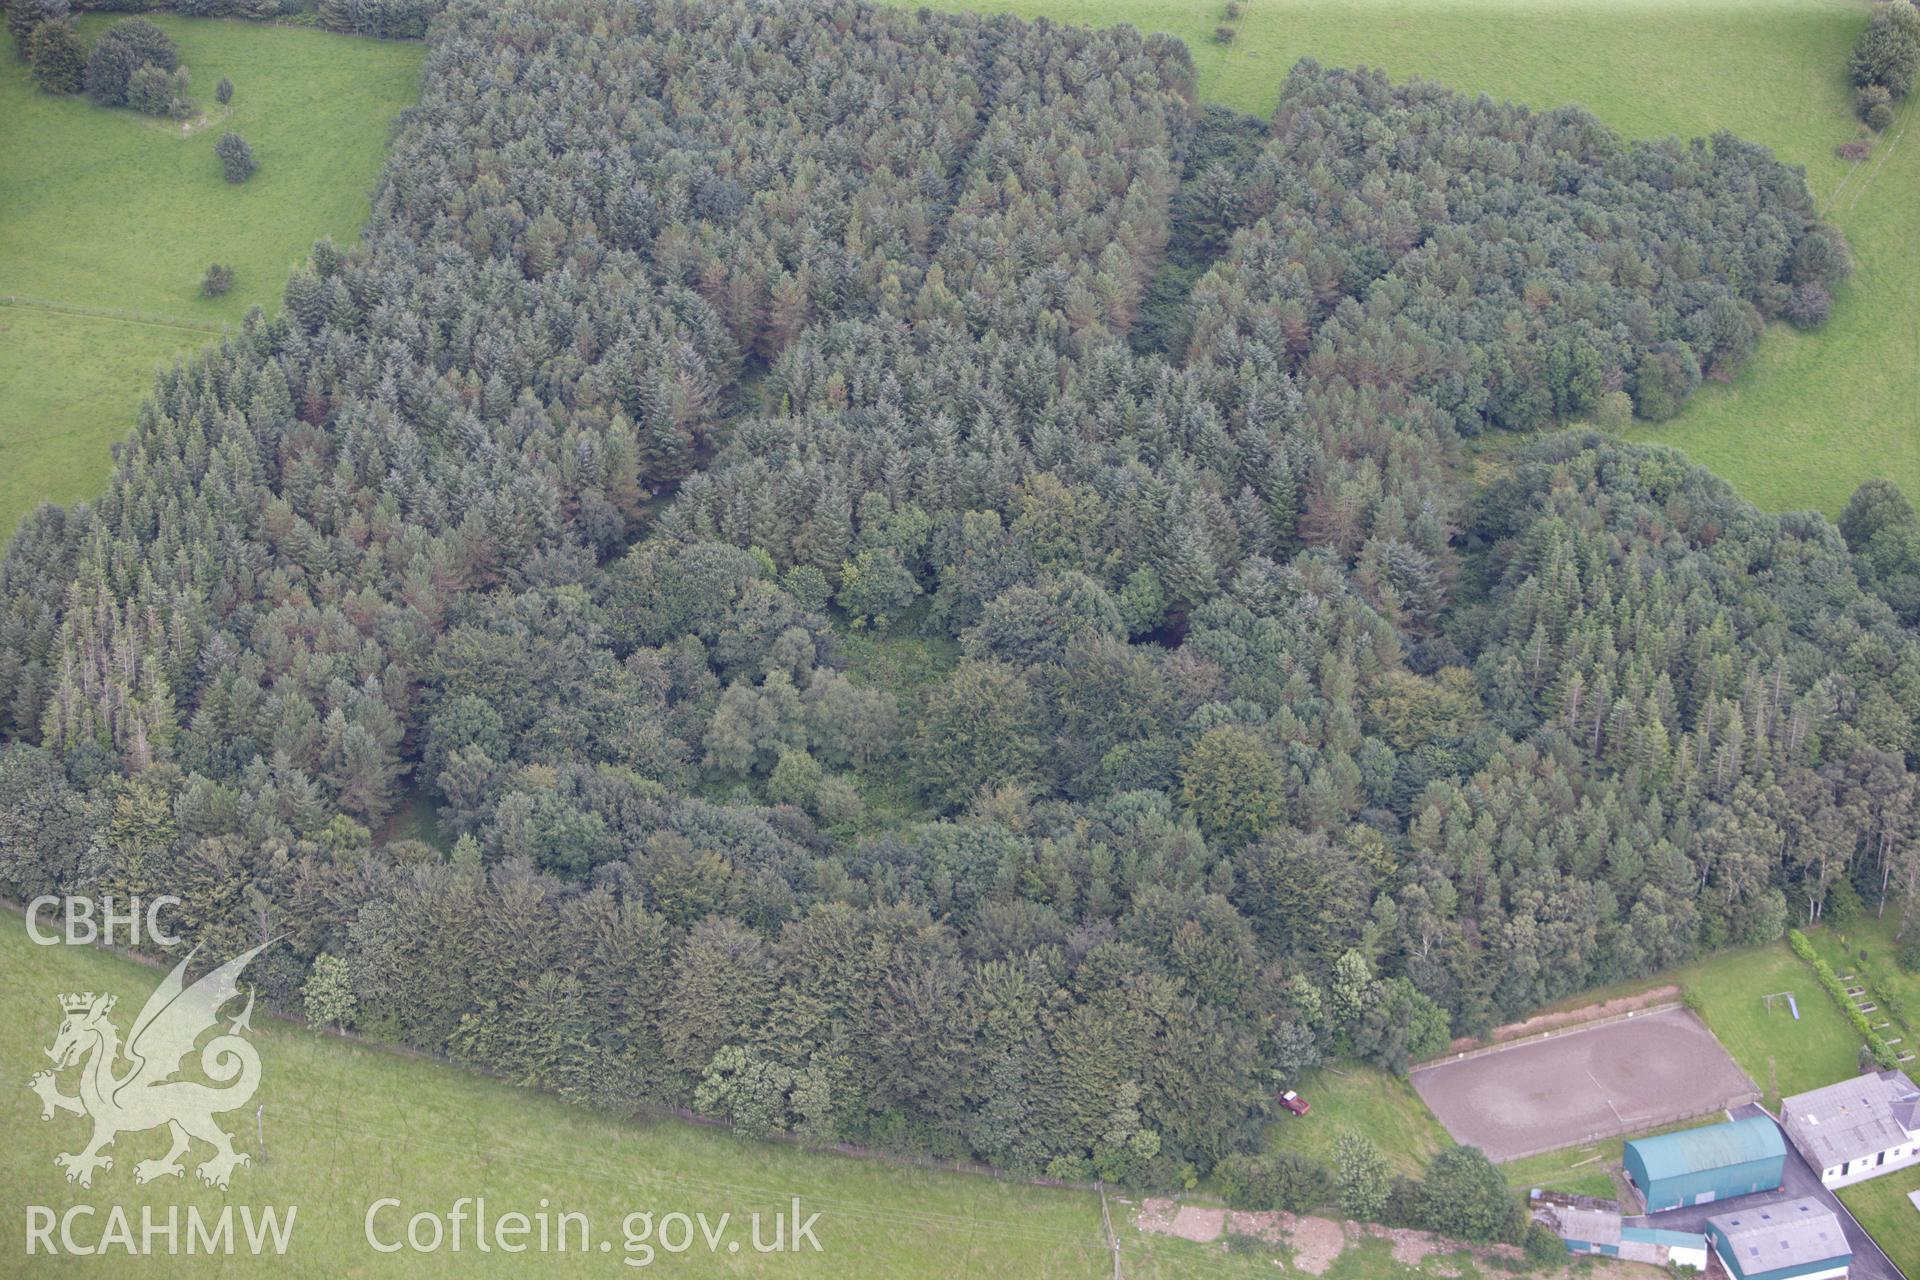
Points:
[(1106, 1220)]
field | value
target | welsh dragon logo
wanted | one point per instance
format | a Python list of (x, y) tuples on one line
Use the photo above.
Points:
[(146, 1095)]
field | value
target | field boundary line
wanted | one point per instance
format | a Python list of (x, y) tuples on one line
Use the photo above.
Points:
[(109, 313), (1106, 1220), (1553, 1033)]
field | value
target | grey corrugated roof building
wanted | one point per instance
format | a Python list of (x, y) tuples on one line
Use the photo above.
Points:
[(1595, 1226), (1843, 1125), (1795, 1238), (1592, 1225)]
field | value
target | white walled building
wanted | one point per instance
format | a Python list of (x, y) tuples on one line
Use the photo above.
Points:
[(1857, 1129)]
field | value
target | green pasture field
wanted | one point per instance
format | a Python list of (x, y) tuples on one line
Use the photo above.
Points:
[(347, 1124), (69, 388), (1780, 1054), (112, 217)]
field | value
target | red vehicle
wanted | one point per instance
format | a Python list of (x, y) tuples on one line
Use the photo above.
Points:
[(1294, 1103)]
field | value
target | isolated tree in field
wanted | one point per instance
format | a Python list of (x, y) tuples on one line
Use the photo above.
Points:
[(1888, 51), (1361, 1178), (59, 58), (236, 157), (154, 92), (217, 281), (121, 50), (223, 92), (330, 1000)]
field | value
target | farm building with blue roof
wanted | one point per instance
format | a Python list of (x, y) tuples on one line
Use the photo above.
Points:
[(1699, 1166)]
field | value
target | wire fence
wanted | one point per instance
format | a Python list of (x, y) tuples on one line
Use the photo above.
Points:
[(111, 313)]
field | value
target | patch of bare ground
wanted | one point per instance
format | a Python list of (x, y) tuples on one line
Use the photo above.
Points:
[(1316, 1243), (1188, 1221), (1410, 1248)]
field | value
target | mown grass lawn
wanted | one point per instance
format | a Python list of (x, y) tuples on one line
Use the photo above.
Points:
[(1351, 1096), (1867, 951), (1782, 1055), (1882, 1207), (1581, 1171), (111, 211), (347, 1124), (1813, 415)]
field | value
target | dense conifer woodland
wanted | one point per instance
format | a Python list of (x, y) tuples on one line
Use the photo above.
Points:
[(943, 595)]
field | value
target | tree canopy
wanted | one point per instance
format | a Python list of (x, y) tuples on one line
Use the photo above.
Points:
[(693, 351)]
